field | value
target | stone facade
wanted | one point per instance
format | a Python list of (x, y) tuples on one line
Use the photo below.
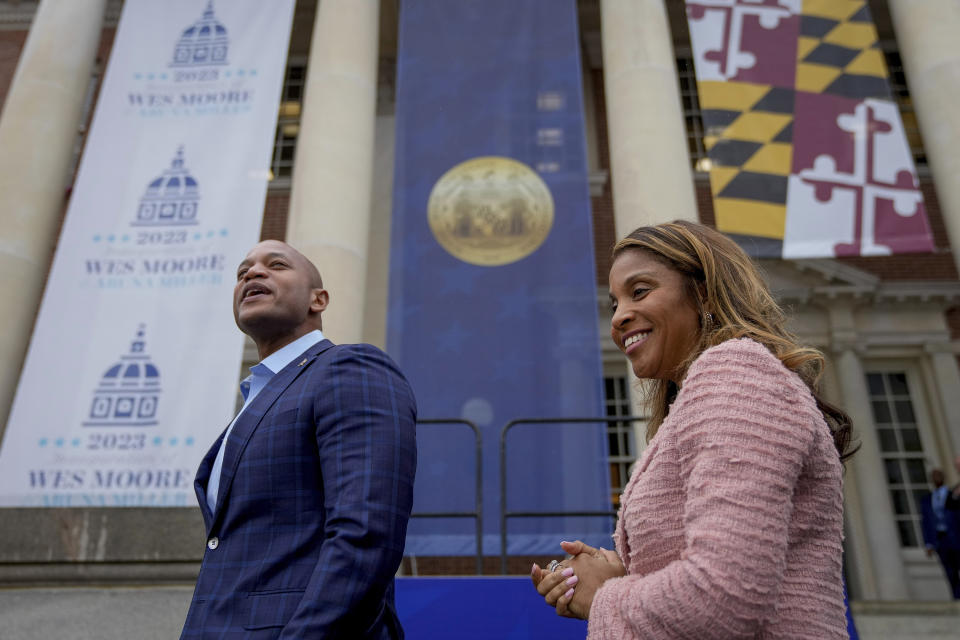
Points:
[(897, 315)]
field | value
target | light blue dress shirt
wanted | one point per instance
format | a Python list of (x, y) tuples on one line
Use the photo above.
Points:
[(938, 502), (260, 375)]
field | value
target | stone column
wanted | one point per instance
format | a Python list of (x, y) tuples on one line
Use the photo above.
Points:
[(38, 131), (333, 173), (871, 484), (861, 581), (947, 378), (927, 35), (649, 162)]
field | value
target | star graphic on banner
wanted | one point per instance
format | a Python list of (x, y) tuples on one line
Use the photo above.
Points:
[(157, 441), (559, 300), (452, 338), (575, 271), (515, 304), (188, 441), (458, 280), (511, 365), (398, 314), (75, 442), (413, 250)]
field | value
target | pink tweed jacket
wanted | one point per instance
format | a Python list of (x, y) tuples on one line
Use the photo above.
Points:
[(731, 524)]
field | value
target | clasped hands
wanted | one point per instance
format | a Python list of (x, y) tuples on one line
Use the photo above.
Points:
[(570, 588)]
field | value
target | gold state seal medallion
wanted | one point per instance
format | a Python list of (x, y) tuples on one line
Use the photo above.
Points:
[(490, 211)]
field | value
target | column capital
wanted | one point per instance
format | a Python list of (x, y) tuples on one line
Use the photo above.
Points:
[(843, 342)]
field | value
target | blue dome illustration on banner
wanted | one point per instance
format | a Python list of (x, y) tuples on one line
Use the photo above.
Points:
[(171, 199), (203, 43), (129, 390)]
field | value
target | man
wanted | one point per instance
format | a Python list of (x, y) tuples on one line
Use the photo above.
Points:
[(941, 530), (306, 496), (956, 488)]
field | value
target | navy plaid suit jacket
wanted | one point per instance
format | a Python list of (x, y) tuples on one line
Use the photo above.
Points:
[(311, 514)]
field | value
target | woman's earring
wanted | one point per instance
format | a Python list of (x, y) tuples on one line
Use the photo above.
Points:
[(707, 319)]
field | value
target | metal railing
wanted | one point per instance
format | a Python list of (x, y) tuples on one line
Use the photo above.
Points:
[(477, 513), (505, 514)]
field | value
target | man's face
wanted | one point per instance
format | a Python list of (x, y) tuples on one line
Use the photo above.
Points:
[(276, 294), (936, 477)]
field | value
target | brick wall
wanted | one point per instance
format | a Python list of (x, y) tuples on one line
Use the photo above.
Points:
[(704, 202), (604, 228), (275, 213)]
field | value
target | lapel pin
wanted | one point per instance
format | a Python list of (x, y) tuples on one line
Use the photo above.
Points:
[(302, 362)]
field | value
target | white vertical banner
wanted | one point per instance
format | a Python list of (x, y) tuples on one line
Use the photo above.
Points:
[(132, 369)]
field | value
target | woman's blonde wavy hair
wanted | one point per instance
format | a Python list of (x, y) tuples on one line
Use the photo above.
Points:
[(733, 301)]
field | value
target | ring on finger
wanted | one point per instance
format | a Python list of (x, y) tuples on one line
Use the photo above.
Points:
[(554, 564)]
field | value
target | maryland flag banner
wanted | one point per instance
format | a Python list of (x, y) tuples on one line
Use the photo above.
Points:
[(808, 152)]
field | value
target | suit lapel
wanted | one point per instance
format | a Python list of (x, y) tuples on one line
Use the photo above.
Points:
[(203, 477), (248, 420)]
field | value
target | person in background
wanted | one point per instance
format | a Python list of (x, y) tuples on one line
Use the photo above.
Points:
[(956, 488), (307, 494), (941, 529), (731, 523)]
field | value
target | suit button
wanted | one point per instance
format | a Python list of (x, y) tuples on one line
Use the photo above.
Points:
[(213, 543)]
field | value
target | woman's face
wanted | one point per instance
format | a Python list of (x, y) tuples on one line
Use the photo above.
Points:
[(655, 323)]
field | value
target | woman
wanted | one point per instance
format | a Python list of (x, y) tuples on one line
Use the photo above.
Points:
[(731, 523)]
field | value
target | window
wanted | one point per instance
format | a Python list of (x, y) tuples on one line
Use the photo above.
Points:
[(898, 87), (620, 435), (691, 112), (901, 451), (288, 124)]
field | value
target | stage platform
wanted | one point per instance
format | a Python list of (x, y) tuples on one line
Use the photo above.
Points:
[(481, 608)]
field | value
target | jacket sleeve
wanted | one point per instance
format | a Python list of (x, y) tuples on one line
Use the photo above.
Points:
[(365, 434), (741, 438), (953, 504), (927, 525)]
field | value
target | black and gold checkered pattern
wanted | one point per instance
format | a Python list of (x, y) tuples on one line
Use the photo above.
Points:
[(838, 53), (749, 140)]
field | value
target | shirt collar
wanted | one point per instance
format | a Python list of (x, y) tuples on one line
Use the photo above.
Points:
[(285, 355)]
